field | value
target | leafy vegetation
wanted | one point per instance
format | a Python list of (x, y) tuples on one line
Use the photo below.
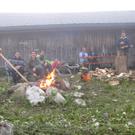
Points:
[(2, 72), (110, 110)]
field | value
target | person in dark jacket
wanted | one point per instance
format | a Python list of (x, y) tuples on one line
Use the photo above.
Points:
[(45, 63), (18, 63), (93, 53), (34, 68), (123, 44)]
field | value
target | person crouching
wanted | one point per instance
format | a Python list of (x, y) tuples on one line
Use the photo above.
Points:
[(45, 63), (34, 68)]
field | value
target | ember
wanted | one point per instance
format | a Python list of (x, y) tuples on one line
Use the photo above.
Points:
[(44, 84)]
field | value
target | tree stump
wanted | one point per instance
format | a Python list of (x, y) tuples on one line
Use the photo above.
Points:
[(120, 63)]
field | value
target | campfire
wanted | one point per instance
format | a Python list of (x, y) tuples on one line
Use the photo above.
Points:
[(44, 84), (51, 81), (48, 81)]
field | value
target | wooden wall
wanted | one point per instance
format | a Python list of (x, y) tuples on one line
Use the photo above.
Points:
[(64, 44)]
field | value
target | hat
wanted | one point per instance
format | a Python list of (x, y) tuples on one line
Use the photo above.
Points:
[(123, 31)]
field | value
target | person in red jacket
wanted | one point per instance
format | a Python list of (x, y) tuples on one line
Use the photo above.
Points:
[(57, 64)]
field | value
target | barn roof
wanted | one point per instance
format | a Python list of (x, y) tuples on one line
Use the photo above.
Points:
[(18, 21)]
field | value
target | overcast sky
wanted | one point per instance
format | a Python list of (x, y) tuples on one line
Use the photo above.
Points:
[(58, 6)]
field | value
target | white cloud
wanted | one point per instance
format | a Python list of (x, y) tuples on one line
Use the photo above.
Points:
[(54, 6)]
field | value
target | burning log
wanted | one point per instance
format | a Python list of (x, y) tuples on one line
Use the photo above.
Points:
[(48, 80)]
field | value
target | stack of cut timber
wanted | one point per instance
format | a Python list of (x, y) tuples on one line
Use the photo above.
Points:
[(103, 73), (110, 74), (127, 75)]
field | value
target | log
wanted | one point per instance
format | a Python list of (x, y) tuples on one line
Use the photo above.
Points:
[(100, 70), (114, 82), (109, 76), (130, 72), (106, 81), (133, 73), (120, 75), (96, 75), (107, 70), (120, 64), (112, 74), (120, 53), (96, 69)]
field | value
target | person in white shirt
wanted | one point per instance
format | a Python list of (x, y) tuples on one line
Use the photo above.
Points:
[(83, 61)]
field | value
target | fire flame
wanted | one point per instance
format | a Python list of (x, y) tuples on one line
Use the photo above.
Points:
[(48, 81)]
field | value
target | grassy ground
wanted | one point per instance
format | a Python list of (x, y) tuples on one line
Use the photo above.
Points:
[(109, 110)]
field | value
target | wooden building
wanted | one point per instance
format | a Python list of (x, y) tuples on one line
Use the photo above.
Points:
[(62, 35)]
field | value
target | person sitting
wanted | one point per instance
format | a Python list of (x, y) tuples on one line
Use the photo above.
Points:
[(56, 64), (45, 63), (91, 54), (34, 68), (18, 63), (83, 61)]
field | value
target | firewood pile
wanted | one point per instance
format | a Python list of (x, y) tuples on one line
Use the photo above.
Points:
[(105, 75), (130, 75), (100, 73)]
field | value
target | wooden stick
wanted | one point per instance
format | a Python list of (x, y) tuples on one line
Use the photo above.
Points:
[(15, 69)]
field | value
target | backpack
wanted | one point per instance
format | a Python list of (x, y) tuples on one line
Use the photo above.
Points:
[(85, 76), (72, 62)]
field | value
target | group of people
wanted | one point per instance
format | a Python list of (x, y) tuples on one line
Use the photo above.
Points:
[(83, 60), (123, 44), (38, 66)]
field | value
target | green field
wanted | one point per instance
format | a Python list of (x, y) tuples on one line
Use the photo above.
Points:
[(109, 110)]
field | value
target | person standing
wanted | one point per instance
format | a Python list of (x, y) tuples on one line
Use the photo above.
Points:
[(123, 44)]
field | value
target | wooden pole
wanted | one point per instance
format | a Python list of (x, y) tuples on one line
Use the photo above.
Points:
[(15, 69)]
